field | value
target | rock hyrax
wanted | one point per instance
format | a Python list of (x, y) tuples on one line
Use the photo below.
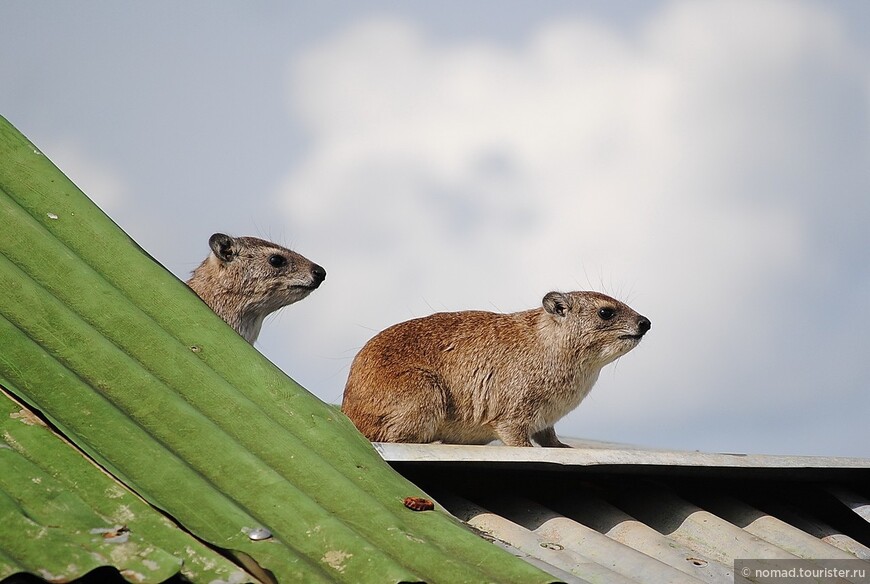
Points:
[(471, 377), (244, 279)]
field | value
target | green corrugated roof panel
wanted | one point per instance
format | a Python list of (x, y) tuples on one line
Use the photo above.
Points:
[(138, 373), (61, 516)]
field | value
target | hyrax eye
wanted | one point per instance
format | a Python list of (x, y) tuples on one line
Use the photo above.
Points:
[(606, 313), (277, 261)]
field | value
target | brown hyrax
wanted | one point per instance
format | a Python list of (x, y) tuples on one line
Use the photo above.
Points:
[(471, 377), (244, 279)]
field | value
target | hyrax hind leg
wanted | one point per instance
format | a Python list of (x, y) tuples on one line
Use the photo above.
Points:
[(416, 408), (518, 435), (513, 434), (547, 437)]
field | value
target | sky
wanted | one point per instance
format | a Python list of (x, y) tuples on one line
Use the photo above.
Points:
[(706, 162)]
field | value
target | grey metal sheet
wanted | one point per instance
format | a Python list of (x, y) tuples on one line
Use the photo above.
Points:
[(616, 513), (588, 453), (624, 529)]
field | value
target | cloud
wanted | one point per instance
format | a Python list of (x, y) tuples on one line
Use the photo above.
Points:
[(703, 166)]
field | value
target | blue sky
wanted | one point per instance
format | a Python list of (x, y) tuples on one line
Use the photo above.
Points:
[(707, 162)]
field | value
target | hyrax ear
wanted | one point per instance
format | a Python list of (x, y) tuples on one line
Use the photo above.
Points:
[(222, 246), (557, 304)]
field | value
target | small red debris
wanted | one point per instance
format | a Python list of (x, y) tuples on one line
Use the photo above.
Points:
[(116, 532), (418, 504)]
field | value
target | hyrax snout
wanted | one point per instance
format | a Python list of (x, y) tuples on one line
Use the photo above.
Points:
[(244, 279), (472, 377)]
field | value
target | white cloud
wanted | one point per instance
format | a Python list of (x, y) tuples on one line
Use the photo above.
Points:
[(682, 166)]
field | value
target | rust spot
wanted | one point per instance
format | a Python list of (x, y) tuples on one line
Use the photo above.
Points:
[(418, 504)]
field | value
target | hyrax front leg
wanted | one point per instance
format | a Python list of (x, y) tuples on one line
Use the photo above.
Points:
[(547, 437)]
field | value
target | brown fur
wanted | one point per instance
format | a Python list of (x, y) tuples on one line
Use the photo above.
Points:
[(471, 377), (244, 279)]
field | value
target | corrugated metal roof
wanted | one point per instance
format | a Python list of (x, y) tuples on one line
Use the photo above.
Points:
[(138, 374), (82, 519), (613, 513)]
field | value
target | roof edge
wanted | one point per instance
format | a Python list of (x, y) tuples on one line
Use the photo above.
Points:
[(586, 453)]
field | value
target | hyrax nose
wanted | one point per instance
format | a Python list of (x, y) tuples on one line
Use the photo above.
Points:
[(643, 325), (318, 273)]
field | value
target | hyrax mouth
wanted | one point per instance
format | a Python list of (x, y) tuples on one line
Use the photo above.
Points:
[(318, 275), (310, 287), (643, 325)]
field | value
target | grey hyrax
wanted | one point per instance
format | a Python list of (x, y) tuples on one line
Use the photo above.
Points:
[(244, 279), (471, 377)]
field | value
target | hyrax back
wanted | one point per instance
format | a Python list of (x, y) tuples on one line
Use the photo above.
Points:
[(471, 377), (244, 279)]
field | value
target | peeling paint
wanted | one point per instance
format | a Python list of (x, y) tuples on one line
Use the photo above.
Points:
[(114, 492), (12, 442), (132, 576), (124, 514), (335, 559), (27, 417), (121, 554), (192, 556), (234, 578), (46, 575)]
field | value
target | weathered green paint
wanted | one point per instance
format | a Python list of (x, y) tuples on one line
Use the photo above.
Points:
[(135, 370), (61, 516)]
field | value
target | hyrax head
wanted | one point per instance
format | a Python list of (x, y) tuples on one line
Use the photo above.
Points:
[(269, 275), (599, 327)]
